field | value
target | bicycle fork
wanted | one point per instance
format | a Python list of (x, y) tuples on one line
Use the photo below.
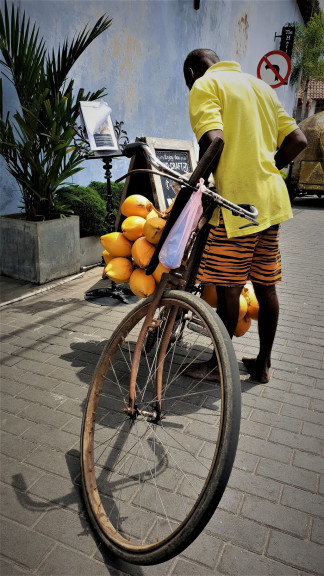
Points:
[(151, 322)]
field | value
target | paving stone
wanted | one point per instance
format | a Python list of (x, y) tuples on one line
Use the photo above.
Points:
[(17, 474), (253, 484), (309, 462), (58, 491), (63, 464), (204, 550), (304, 414), (43, 434), (276, 516), (313, 430), (10, 569), (241, 531), (24, 546), (276, 420), (238, 562), (318, 531), (13, 424), (43, 414), (184, 567), (287, 474), (303, 500), (68, 528), (245, 461), (74, 563), (47, 398), (15, 505), (267, 449), (298, 553), (298, 441), (16, 447)]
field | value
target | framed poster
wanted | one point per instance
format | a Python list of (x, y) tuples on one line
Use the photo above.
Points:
[(177, 154)]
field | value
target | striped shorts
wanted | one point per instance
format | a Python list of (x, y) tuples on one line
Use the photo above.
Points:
[(233, 261)]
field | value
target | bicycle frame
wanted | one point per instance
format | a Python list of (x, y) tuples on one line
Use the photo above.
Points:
[(180, 277)]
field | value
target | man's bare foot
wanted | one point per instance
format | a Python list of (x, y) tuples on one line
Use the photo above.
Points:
[(203, 371), (257, 371)]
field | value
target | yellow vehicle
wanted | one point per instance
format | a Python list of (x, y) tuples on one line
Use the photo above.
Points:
[(306, 173)]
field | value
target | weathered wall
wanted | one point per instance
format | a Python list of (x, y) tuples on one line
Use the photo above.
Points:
[(139, 59)]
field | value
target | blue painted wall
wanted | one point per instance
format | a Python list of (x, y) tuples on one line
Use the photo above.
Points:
[(139, 59)]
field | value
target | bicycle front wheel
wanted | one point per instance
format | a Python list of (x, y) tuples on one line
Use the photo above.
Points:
[(151, 483)]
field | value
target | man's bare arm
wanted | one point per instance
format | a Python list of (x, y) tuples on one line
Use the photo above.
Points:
[(292, 145), (204, 144)]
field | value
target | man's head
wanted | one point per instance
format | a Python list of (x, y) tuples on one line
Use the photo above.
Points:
[(196, 64)]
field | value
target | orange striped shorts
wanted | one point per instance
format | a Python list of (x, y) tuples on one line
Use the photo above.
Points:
[(233, 261)]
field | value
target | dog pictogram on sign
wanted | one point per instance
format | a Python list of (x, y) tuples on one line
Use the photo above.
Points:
[(274, 68)]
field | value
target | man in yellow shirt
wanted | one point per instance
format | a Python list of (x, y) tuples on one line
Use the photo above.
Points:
[(259, 139)]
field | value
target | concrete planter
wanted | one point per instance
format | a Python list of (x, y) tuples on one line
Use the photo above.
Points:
[(39, 251), (90, 250)]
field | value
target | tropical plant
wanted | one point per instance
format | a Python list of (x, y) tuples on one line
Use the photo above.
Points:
[(116, 192), (308, 55), (37, 142), (91, 209)]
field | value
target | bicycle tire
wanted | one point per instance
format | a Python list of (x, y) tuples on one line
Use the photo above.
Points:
[(175, 476)]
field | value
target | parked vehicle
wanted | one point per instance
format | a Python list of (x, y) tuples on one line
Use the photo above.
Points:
[(306, 173)]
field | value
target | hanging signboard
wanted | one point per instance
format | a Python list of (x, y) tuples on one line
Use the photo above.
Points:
[(96, 122), (176, 154), (287, 39), (274, 68)]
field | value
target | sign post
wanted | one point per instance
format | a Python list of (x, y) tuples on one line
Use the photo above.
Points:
[(274, 68)]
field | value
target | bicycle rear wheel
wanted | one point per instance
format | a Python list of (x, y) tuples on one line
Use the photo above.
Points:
[(151, 484)]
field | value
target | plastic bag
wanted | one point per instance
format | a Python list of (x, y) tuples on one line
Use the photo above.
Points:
[(174, 245)]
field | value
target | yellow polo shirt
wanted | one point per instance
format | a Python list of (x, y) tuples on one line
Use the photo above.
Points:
[(253, 123)]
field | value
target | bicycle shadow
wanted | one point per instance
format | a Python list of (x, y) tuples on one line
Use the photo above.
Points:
[(69, 501)]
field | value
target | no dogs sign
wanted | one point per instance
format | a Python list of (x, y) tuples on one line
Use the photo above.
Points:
[(274, 68)]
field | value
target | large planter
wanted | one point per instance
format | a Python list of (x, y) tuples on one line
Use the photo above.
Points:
[(39, 251), (90, 251)]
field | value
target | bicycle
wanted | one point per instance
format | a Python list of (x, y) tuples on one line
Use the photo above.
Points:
[(157, 448)]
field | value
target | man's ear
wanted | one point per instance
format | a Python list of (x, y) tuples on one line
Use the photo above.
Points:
[(192, 77)]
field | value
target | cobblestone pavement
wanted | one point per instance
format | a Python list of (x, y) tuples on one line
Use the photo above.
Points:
[(270, 520)]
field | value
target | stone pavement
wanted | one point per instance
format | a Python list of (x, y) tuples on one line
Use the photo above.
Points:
[(270, 520)]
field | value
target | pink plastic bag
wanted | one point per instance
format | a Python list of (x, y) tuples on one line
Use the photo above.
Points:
[(174, 245)]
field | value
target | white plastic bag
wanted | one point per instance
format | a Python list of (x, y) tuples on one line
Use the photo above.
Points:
[(174, 245)]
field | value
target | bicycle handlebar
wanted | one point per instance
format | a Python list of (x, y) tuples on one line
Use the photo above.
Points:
[(247, 211)]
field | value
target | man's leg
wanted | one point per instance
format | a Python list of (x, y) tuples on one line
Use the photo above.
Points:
[(228, 310), (228, 306), (267, 326)]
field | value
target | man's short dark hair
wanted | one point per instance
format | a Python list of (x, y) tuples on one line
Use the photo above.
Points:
[(199, 61)]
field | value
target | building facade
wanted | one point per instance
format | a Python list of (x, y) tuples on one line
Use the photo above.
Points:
[(139, 59)]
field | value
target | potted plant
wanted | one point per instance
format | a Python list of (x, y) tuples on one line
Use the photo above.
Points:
[(37, 145)]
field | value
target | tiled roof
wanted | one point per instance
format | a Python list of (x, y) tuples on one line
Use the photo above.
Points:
[(316, 90)]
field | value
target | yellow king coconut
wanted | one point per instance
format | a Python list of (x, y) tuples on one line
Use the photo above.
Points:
[(116, 244), (142, 252), (132, 227), (159, 270), (119, 269), (153, 228), (106, 256), (140, 284), (242, 326), (252, 302), (209, 294), (136, 205)]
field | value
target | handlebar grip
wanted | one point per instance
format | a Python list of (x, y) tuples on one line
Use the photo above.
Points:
[(250, 209), (134, 148)]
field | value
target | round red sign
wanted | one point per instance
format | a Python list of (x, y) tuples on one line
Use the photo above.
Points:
[(274, 68)]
